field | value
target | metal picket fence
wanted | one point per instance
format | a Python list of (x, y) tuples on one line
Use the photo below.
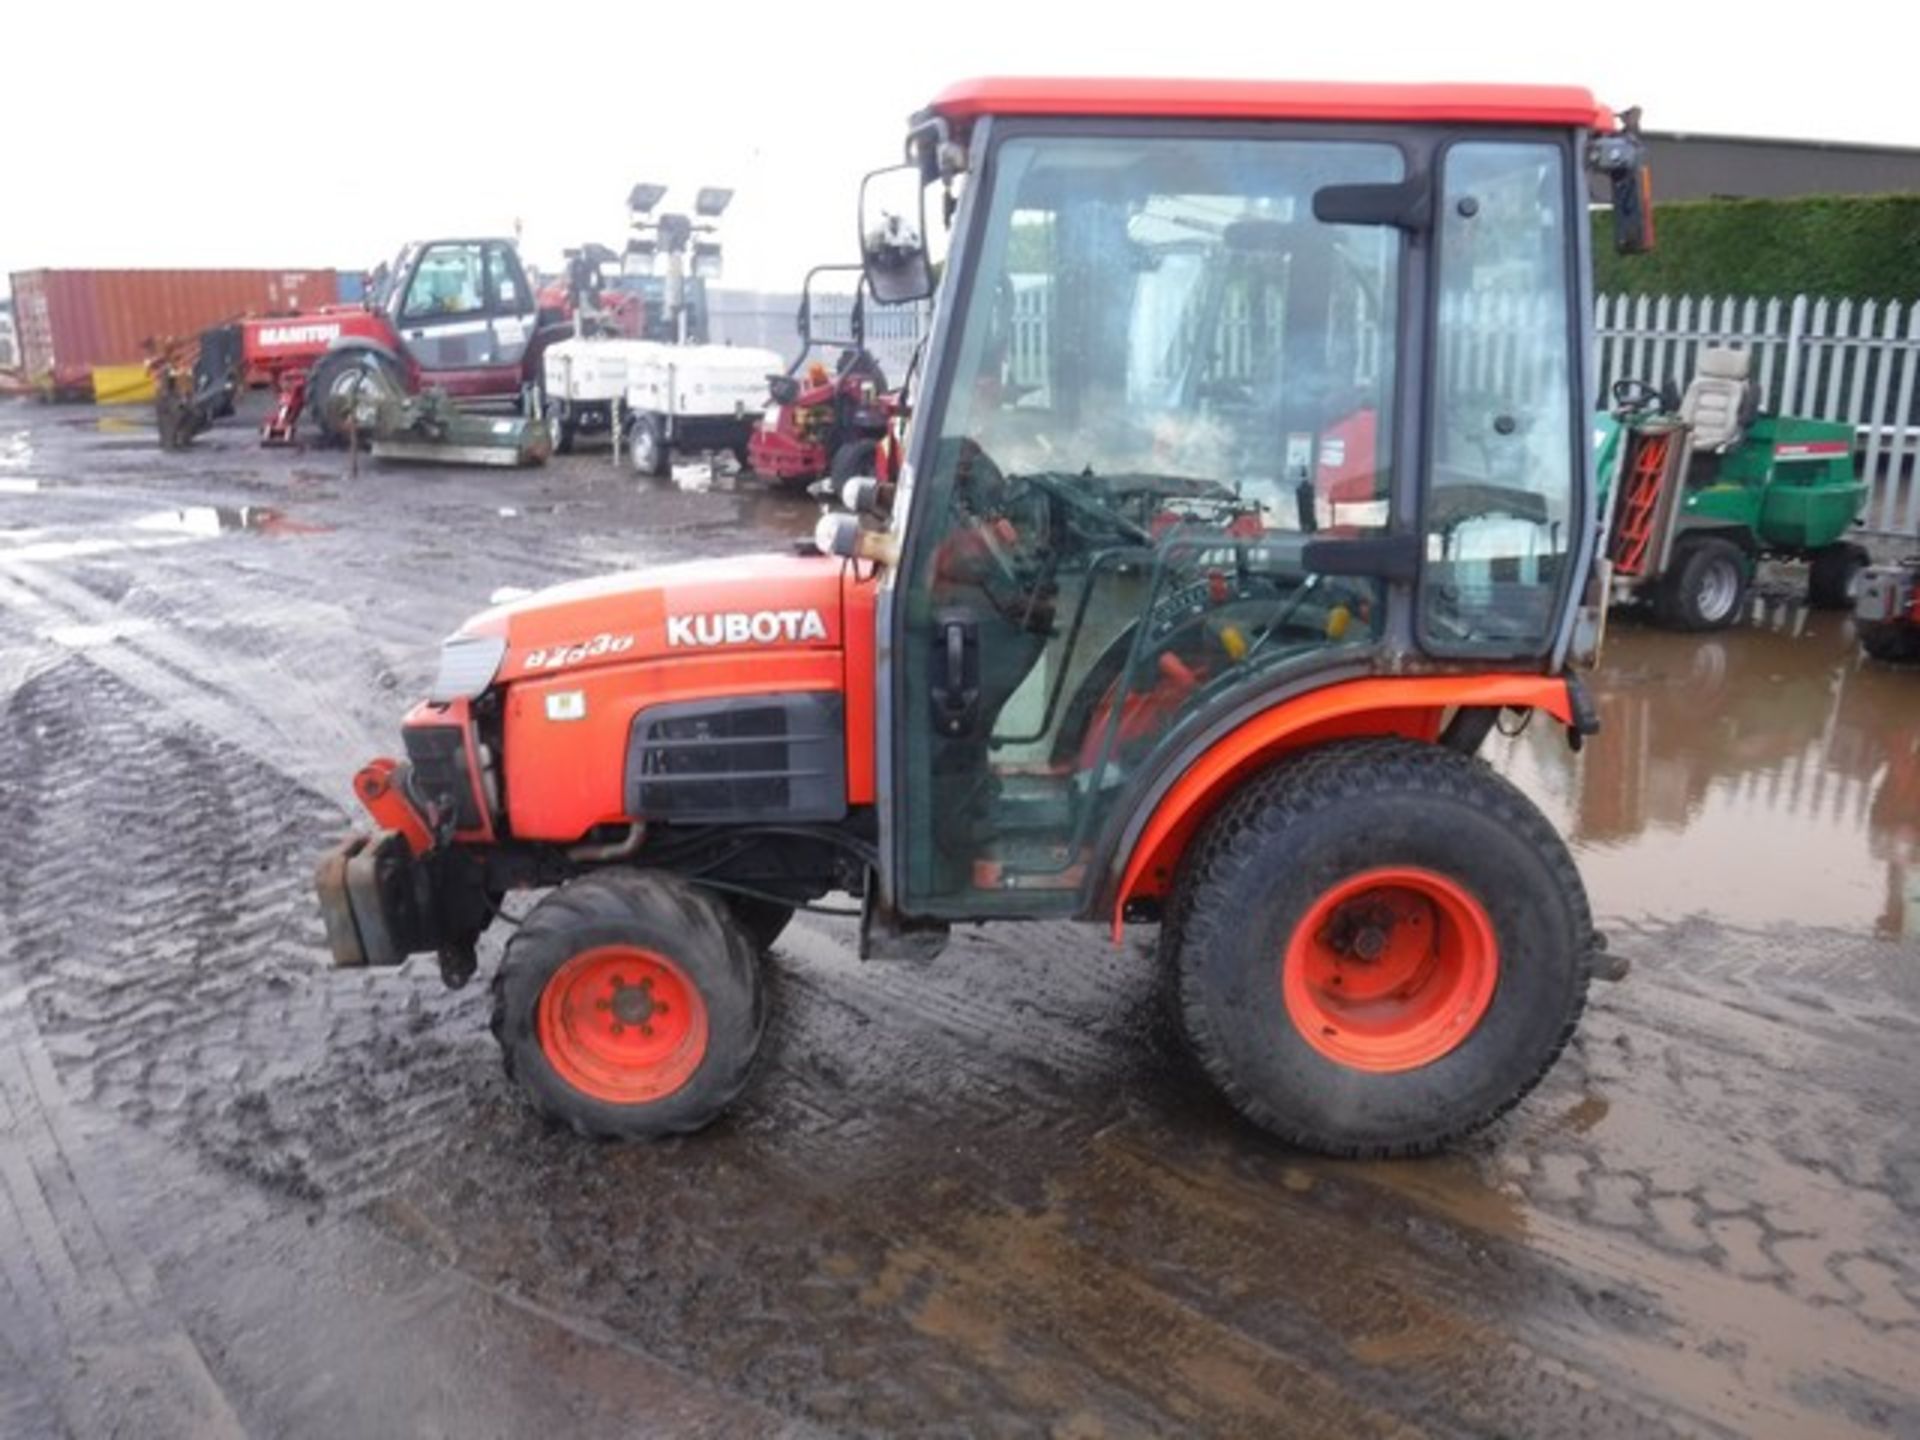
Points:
[(1856, 361)]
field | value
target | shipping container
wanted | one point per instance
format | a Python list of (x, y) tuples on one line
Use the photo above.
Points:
[(69, 321), (353, 286)]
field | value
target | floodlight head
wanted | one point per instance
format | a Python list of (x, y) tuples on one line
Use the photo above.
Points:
[(643, 197), (711, 202)]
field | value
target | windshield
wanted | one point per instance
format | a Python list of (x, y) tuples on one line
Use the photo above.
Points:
[(1170, 306)]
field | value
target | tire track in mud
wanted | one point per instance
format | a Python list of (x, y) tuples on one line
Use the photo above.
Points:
[(156, 885)]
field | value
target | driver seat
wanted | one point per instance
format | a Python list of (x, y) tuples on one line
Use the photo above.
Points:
[(1715, 405)]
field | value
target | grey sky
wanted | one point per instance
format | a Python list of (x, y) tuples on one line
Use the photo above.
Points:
[(237, 135)]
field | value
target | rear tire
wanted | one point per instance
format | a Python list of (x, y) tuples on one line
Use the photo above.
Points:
[(629, 1005), (1835, 575), (331, 388), (647, 447), (1705, 588), (1455, 900)]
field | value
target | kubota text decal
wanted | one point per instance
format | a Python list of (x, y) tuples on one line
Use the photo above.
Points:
[(740, 627)]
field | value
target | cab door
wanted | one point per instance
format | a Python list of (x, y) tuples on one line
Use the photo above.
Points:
[(1504, 509), (452, 319), (1166, 381), (511, 310)]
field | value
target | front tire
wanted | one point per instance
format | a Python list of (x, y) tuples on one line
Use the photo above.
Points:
[(1705, 587), (339, 380), (561, 423), (629, 1005), (1381, 947)]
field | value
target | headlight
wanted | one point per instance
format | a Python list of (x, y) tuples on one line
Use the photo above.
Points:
[(468, 664)]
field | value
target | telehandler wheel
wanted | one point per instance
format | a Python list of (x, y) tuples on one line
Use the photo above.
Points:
[(647, 447), (338, 381), (1705, 587), (1381, 947), (1834, 575), (629, 1005)]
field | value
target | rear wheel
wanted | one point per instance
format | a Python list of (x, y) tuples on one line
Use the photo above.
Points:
[(629, 1005), (1381, 947), (1705, 587), (647, 446), (341, 379), (1834, 576)]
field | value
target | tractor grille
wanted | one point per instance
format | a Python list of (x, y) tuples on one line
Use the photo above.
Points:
[(757, 757), (443, 772)]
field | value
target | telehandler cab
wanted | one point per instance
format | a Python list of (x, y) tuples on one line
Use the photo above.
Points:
[(1209, 555)]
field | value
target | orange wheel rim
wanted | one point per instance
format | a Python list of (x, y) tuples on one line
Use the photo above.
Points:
[(1390, 970), (623, 1024)]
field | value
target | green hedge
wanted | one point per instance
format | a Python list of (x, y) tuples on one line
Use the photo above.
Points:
[(1867, 247)]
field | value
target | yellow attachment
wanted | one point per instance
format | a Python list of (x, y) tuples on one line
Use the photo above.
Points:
[(1337, 621)]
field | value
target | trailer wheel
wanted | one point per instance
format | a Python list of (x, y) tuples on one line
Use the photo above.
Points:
[(1705, 587), (561, 424), (629, 1005), (1834, 575), (647, 447), (1891, 640), (1381, 947), (338, 380)]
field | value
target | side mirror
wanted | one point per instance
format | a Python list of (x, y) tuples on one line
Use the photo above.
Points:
[(893, 228)]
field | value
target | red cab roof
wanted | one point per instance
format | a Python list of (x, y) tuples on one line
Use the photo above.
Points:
[(1557, 105)]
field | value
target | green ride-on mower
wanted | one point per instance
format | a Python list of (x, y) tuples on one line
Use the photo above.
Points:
[(1699, 488)]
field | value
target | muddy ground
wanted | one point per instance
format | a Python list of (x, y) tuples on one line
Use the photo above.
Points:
[(242, 1194)]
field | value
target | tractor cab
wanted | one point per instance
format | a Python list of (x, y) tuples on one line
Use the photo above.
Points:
[(1222, 408)]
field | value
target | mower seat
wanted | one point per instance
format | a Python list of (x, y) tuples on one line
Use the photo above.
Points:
[(1715, 405)]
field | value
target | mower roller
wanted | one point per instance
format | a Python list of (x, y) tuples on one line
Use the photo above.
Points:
[(1886, 611), (1181, 604)]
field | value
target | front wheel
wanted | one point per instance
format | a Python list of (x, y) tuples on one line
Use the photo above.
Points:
[(562, 425), (1381, 946), (629, 1005), (1705, 587), (340, 381)]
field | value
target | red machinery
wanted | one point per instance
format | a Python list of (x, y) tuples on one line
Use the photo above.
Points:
[(821, 422), (1886, 610), (458, 315)]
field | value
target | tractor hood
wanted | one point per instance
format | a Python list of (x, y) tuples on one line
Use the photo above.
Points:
[(743, 604)]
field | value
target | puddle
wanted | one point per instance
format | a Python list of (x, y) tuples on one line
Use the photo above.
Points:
[(1765, 775), (18, 485), (87, 637), (210, 520)]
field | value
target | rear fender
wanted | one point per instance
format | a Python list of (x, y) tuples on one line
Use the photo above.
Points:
[(1414, 707)]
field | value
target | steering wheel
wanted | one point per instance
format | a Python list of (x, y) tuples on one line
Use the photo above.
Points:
[(1636, 395)]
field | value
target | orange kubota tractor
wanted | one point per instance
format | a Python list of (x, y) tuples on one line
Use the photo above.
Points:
[(1212, 549)]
